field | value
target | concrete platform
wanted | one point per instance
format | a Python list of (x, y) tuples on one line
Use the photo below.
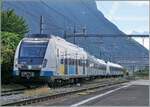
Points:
[(134, 93)]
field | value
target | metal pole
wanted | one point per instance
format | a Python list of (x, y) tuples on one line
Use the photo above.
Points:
[(74, 31), (65, 35), (41, 24)]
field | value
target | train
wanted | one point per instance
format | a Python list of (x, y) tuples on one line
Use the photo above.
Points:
[(52, 59)]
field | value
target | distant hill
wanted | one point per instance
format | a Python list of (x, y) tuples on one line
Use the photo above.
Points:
[(63, 15)]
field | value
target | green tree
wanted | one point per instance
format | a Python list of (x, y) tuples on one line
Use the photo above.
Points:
[(13, 29), (9, 43), (10, 22)]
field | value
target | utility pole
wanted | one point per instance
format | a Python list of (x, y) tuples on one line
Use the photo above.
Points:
[(143, 41), (74, 31), (65, 34), (41, 24), (84, 30)]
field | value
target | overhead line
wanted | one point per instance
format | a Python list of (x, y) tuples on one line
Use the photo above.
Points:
[(106, 35), (59, 13)]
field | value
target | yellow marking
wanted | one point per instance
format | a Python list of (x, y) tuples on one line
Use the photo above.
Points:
[(85, 93), (82, 93), (61, 69), (38, 91), (90, 91)]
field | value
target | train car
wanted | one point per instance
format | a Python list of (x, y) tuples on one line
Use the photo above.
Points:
[(114, 69), (48, 58), (95, 67)]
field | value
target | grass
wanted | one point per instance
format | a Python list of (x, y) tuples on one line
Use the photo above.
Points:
[(11, 86), (39, 91), (142, 74)]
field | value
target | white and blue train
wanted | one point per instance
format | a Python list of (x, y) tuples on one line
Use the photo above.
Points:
[(42, 57)]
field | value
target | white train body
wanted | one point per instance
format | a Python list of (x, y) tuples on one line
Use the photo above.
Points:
[(54, 58)]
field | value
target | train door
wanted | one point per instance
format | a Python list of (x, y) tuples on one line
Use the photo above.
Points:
[(84, 68), (62, 63), (66, 64), (76, 63)]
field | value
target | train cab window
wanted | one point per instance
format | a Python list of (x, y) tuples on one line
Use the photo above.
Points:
[(33, 49)]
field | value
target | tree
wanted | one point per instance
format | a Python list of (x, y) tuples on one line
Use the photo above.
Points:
[(13, 30), (9, 44), (10, 22)]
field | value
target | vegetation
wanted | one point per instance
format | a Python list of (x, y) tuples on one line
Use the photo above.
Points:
[(10, 22), (13, 29), (142, 73)]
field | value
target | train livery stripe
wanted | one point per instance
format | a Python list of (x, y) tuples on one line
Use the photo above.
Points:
[(62, 69), (46, 73), (72, 70)]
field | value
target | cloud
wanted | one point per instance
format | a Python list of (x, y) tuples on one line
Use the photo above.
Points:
[(130, 18), (138, 3), (114, 8)]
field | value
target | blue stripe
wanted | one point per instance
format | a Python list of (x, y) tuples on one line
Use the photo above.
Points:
[(72, 70), (14, 73), (47, 73)]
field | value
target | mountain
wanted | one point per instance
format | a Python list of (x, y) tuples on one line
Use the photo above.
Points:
[(61, 16)]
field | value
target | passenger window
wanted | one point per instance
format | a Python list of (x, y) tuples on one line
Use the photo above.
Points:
[(62, 61), (69, 61), (73, 61), (65, 61)]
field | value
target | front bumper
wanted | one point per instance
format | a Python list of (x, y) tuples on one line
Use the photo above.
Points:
[(19, 79)]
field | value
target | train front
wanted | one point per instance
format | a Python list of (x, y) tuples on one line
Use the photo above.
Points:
[(29, 59)]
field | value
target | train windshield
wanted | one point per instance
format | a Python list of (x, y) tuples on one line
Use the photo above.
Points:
[(33, 49)]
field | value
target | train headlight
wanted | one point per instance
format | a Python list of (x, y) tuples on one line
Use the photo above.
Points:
[(40, 66), (44, 63), (16, 65)]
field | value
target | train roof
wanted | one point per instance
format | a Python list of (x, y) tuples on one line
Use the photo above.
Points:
[(101, 61), (114, 65), (68, 44), (38, 36)]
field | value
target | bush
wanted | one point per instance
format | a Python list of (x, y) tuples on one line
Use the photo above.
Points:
[(9, 43), (142, 73)]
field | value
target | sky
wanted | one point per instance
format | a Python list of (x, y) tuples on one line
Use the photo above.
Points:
[(131, 17)]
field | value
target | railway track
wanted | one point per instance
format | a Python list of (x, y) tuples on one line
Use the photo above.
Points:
[(13, 92), (48, 97), (20, 91), (17, 91)]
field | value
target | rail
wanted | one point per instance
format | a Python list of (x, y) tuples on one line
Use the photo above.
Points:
[(48, 97)]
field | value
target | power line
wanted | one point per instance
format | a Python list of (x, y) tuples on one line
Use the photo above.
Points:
[(59, 13), (107, 35)]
